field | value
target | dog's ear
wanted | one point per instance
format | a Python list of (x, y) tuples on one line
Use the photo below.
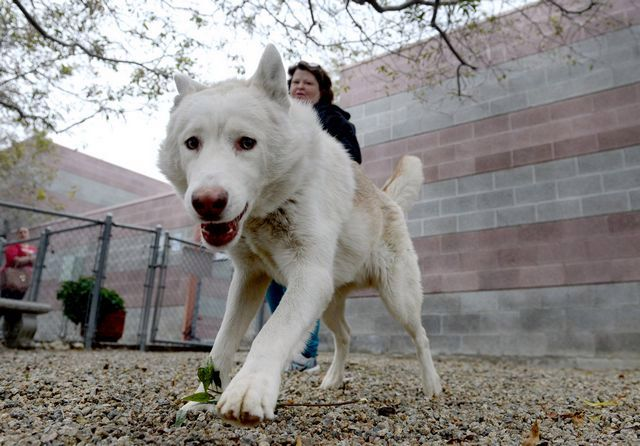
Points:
[(270, 76), (186, 85)]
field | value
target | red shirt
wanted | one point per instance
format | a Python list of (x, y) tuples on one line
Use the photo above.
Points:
[(17, 250)]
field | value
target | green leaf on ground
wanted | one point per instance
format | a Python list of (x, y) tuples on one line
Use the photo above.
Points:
[(181, 417), (200, 397), (205, 375)]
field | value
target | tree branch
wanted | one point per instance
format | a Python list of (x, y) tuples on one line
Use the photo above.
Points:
[(313, 19), (435, 5), (565, 11), (445, 37), (84, 49), (379, 8), (25, 116)]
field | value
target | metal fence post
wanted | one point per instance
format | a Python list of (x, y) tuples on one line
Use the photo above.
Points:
[(161, 286), (196, 310), (148, 289), (43, 245), (99, 270)]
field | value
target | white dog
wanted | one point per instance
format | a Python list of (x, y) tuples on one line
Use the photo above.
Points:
[(281, 196)]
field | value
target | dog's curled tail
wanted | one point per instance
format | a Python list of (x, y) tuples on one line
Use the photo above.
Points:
[(405, 183)]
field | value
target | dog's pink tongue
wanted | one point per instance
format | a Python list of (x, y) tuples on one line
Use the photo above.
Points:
[(219, 234)]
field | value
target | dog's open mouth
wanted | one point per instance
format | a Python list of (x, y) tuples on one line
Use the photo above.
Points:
[(220, 234)]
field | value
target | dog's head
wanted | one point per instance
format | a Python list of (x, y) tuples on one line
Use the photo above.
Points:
[(221, 145)]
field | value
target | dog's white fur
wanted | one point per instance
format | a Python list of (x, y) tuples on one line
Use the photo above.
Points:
[(313, 222)]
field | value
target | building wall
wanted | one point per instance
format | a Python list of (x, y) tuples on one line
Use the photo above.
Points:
[(528, 224), (165, 209), (84, 183)]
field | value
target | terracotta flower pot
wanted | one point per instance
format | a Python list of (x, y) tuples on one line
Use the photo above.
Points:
[(111, 327)]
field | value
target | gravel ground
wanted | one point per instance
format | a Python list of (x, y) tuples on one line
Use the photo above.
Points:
[(128, 397)]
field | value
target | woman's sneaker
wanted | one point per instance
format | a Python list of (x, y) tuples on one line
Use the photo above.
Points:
[(301, 363)]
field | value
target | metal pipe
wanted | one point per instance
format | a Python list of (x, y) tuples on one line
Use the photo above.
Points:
[(133, 227), (42, 211)]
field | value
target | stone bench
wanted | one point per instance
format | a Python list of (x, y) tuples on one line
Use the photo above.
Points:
[(20, 322)]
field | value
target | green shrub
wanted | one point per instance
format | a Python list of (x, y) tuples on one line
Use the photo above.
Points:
[(76, 297)]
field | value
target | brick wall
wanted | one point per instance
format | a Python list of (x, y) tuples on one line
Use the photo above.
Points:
[(528, 224)]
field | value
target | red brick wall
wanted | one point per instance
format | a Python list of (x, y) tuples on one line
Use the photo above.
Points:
[(587, 124), (588, 250)]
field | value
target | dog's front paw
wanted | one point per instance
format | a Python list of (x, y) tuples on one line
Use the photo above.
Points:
[(249, 398)]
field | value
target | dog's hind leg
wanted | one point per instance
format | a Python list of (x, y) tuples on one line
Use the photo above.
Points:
[(402, 295), (334, 318)]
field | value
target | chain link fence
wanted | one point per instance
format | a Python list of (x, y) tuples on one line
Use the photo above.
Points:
[(192, 294), (174, 291)]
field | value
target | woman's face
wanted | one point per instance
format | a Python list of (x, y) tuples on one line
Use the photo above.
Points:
[(304, 87), (23, 234)]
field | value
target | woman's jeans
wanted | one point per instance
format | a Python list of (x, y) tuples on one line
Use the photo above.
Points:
[(274, 295)]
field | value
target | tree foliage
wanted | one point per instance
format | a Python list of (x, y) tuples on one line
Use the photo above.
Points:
[(64, 61), (27, 168)]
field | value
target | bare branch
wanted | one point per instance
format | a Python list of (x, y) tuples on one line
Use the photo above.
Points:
[(379, 8), (565, 11), (313, 19), (81, 121), (435, 5), (445, 37)]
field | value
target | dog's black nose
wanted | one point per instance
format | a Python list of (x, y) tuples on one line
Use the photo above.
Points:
[(209, 202)]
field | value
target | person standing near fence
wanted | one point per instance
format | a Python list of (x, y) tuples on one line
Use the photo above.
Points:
[(310, 83), (18, 266)]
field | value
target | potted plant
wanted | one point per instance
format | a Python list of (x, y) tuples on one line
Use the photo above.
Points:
[(76, 297)]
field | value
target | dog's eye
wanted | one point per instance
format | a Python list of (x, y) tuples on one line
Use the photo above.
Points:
[(192, 143), (245, 143)]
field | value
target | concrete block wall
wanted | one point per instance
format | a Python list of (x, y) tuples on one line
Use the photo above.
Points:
[(528, 224), (583, 186), (553, 321)]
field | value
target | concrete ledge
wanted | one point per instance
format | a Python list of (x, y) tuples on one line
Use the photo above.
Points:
[(20, 321), (24, 306)]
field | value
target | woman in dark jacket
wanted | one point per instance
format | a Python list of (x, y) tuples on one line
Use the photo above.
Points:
[(310, 83)]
